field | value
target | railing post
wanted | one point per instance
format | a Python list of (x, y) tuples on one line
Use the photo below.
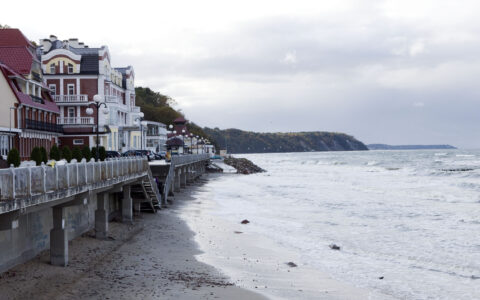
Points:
[(68, 174), (44, 179), (12, 169), (29, 181)]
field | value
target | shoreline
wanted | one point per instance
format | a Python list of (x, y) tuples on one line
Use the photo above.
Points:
[(256, 262), (154, 258)]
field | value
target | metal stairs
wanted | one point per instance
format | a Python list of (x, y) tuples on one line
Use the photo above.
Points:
[(147, 193)]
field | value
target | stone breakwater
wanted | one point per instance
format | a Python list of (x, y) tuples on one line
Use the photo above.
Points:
[(243, 165)]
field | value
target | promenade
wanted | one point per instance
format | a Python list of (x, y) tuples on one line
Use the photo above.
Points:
[(43, 208)]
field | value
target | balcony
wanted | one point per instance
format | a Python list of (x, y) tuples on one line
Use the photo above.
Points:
[(37, 99), (112, 99), (70, 98), (75, 121), (135, 109), (42, 126)]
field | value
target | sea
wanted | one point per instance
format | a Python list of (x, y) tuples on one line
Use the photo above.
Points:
[(407, 222)]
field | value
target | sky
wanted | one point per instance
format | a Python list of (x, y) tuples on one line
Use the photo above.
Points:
[(384, 71)]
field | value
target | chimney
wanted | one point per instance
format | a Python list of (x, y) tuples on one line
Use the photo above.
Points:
[(81, 45), (73, 43), (53, 38), (46, 44)]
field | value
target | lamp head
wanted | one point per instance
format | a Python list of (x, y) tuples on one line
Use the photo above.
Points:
[(97, 98), (89, 111), (141, 114)]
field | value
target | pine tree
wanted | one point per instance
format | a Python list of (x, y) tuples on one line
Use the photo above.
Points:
[(66, 153), (54, 153), (44, 154), (13, 157), (86, 153), (77, 153), (36, 155)]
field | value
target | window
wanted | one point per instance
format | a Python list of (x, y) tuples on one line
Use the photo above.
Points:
[(70, 89), (78, 142), (71, 115), (4, 145), (53, 89), (70, 69), (52, 69)]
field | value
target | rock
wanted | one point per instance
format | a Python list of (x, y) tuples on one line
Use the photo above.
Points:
[(243, 165), (334, 247), (245, 221), (292, 264)]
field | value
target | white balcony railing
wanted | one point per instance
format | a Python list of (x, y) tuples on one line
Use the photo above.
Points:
[(70, 98), (135, 109), (112, 99), (75, 121)]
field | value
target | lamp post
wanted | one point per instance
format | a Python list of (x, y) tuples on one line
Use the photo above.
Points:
[(196, 143), (183, 139), (191, 143), (170, 127), (140, 123), (97, 102)]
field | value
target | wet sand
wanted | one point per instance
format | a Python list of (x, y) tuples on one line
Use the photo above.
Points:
[(154, 258)]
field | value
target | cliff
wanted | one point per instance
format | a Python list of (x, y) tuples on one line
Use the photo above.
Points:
[(238, 141)]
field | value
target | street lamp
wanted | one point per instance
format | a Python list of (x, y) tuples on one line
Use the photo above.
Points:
[(97, 103), (191, 143), (140, 123), (170, 127), (183, 140)]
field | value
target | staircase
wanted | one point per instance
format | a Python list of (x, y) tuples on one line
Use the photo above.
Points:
[(147, 193)]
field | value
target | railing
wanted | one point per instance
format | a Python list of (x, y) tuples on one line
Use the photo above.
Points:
[(43, 126), (188, 159), (37, 99), (36, 77), (70, 98), (135, 109), (112, 99), (28, 182), (75, 120)]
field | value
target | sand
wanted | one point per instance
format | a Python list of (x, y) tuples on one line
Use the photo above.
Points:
[(154, 258)]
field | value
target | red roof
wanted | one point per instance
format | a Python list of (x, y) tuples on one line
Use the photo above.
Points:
[(180, 120), (24, 98), (17, 58), (13, 37)]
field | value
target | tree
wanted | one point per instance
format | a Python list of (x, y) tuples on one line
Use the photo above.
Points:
[(43, 151), (36, 155), (102, 153), (54, 153), (77, 153), (86, 153), (13, 157), (66, 153)]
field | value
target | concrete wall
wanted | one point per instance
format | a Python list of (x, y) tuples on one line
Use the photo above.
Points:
[(33, 233)]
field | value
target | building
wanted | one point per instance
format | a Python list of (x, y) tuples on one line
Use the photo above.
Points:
[(28, 117), (155, 136), (75, 73)]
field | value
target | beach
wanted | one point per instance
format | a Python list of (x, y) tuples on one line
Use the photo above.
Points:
[(153, 258)]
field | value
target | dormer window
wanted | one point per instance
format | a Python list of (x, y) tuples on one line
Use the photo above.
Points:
[(70, 69), (52, 69)]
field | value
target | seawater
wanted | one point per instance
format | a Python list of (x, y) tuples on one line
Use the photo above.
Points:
[(409, 217)]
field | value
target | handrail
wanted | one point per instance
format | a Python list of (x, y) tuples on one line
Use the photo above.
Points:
[(24, 182)]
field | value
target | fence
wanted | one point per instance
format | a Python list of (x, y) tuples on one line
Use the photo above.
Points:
[(30, 181)]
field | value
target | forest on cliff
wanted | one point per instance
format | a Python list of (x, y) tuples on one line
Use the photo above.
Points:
[(158, 107)]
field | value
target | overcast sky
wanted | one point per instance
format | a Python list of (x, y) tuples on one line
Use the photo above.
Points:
[(397, 72)]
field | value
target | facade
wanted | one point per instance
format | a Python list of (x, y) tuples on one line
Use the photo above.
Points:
[(28, 117), (75, 73), (155, 136)]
